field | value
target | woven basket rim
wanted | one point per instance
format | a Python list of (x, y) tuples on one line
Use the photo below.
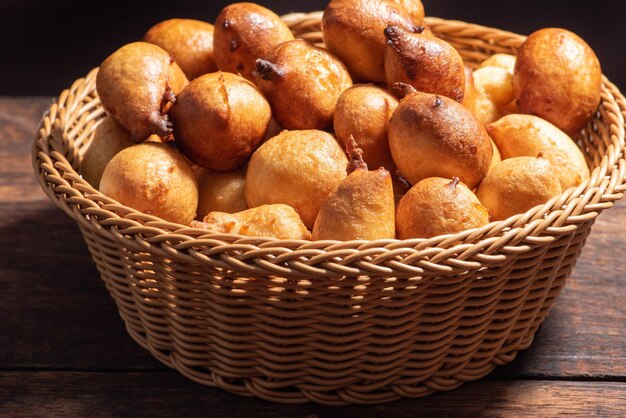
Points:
[(445, 254)]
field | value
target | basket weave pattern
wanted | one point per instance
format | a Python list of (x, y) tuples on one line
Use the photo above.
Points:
[(333, 322)]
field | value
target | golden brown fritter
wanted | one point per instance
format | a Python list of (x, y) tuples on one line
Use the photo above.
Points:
[(221, 191), (270, 221), (527, 135), (360, 207), (516, 185), (353, 30), (189, 41), (303, 83), (434, 136), (558, 78), (438, 206), (297, 168), (137, 85), (219, 120), (245, 32), (109, 138), (363, 111), (415, 9), (429, 64), (155, 179)]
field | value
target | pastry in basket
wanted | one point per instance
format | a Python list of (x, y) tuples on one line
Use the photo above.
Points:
[(245, 32), (558, 78), (518, 184), (219, 120), (469, 92), (497, 157), (137, 85), (155, 179), (109, 138), (189, 41), (297, 168), (363, 112), (435, 136), (361, 206), (493, 83), (496, 84), (527, 135), (429, 64), (505, 61), (221, 191), (354, 31), (271, 221), (437, 206), (415, 9), (486, 110), (303, 83)]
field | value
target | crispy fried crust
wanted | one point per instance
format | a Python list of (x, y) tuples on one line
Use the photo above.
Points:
[(434, 136), (189, 41), (155, 179), (438, 206), (137, 85), (219, 120), (245, 32), (558, 78), (516, 185), (303, 84), (429, 64), (353, 30)]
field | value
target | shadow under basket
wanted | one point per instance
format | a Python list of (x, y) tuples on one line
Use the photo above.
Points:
[(333, 322)]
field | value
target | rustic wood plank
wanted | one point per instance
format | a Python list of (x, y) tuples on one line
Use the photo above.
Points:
[(152, 395), (585, 332), (19, 118), (54, 309)]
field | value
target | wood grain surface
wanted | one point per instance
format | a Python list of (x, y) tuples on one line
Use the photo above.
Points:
[(64, 350)]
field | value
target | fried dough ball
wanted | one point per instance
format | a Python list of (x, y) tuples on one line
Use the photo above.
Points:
[(361, 206), (558, 78), (270, 221), (303, 83), (429, 64), (363, 111), (297, 168), (485, 110), (511, 108), (415, 9), (245, 32), (516, 185), (219, 120), (221, 191), (505, 61), (137, 85), (497, 157), (438, 206), (354, 31), (469, 96), (434, 136), (189, 41), (273, 130), (527, 135), (109, 138), (495, 83), (155, 179)]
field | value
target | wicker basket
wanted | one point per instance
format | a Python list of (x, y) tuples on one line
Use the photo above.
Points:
[(333, 322)]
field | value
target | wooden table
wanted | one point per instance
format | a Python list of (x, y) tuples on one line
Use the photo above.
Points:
[(64, 350)]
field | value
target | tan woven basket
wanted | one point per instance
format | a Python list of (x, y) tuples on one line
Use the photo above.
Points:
[(333, 322)]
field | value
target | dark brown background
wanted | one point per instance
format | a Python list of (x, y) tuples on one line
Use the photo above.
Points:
[(46, 45)]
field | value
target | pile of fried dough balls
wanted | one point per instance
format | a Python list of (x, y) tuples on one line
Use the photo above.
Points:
[(385, 132)]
